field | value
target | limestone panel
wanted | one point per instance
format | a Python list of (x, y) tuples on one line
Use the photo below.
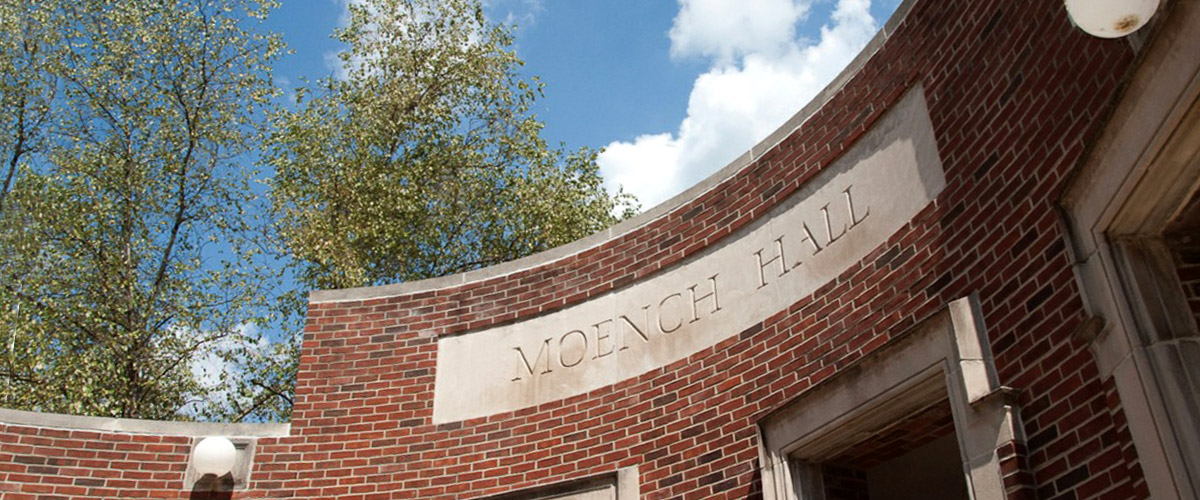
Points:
[(828, 225)]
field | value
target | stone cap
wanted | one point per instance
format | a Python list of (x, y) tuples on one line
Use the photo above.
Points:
[(138, 426)]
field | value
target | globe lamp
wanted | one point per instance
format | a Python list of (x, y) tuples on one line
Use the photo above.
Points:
[(214, 455), (1110, 18)]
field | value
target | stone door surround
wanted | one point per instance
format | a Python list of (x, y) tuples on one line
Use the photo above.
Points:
[(945, 356)]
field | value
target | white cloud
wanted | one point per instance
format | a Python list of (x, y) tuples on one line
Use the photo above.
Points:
[(756, 82), (519, 13), (339, 68), (647, 164), (724, 29)]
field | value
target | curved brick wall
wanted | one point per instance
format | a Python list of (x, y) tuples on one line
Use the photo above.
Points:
[(1015, 95)]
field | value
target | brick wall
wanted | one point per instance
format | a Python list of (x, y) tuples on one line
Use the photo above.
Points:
[(58, 457), (899, 438), (1015, 94), (844, 483), (54, 463)]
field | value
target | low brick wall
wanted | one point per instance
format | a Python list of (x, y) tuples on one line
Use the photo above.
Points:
[(61, 456)]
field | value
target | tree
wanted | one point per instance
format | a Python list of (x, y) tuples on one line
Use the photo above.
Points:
[(127, 227), (424, 158), (133, 246), (27, 85)]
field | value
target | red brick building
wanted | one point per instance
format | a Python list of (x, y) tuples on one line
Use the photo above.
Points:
[(969, 269)]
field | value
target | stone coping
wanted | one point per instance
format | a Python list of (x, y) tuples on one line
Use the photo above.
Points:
[(138, 426), (642, 219)]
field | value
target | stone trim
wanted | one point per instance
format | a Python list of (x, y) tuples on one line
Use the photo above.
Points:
[(621, 484), (138, 426)]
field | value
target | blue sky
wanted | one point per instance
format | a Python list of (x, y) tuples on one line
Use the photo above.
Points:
[(673, 90)]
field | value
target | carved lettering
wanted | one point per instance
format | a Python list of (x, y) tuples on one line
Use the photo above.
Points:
[(783, 269), (763, 264), (675, 311), (641, 331), (661, 307), (830, 238), (713, 294), (808, 236), (850, 207), (544, 349), (601, 336), (562, 341)]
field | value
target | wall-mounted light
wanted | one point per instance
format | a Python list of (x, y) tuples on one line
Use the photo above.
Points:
[(1110, 18), (214, 455), (219, 464)]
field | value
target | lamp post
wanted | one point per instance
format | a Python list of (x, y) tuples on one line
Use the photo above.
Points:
[(1110, 18)]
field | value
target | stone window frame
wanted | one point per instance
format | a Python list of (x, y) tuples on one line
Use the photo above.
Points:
[(622, 482), (1135, 181), (946, 356)]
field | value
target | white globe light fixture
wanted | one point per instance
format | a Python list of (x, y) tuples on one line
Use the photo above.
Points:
[(214, 455), (1110, 18)]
